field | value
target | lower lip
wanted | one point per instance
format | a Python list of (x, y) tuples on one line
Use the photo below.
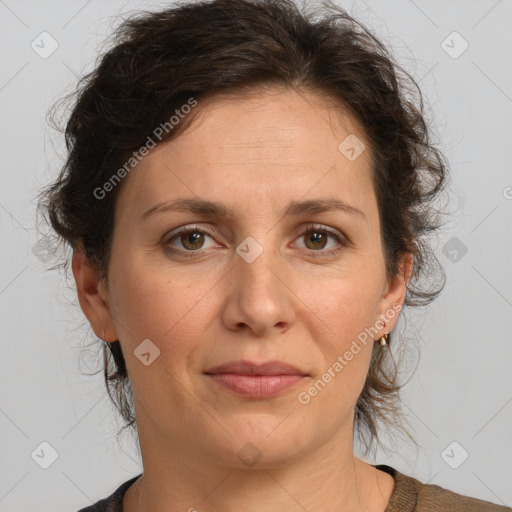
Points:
[(256, 386)]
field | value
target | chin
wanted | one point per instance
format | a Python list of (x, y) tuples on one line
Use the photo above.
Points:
[(265, 444)]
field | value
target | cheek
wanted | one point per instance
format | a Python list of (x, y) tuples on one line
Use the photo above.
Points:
[(340, 326), (344, 303), (160, 305), (346, 348), (170, 313)]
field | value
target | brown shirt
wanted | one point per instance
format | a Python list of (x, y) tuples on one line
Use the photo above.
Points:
[(409, 495)]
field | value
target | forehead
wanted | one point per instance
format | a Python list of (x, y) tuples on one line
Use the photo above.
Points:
[(276, 120), (280, 143)]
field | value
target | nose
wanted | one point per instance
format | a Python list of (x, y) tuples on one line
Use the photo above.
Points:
[(259, 295)]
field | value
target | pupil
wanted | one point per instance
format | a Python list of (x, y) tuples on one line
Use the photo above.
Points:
[(192, 239), (316, 236)]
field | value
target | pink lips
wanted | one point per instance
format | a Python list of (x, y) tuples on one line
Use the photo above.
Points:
[(253, 380)]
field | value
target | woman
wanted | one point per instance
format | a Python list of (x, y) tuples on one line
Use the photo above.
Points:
[(246, 194)]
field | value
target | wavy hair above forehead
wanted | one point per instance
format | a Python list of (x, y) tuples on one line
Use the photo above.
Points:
[(157, 61)]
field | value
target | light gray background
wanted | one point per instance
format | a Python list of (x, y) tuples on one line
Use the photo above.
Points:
[(462, 389)]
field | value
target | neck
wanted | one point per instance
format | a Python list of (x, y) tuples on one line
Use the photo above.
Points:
[(330, 479)]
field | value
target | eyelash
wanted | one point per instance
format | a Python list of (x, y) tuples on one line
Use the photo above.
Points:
[(309, 229)]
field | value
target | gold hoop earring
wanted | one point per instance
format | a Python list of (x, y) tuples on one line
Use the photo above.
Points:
[(384, 340)]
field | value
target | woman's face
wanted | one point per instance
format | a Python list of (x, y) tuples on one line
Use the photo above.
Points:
[(248, 282)]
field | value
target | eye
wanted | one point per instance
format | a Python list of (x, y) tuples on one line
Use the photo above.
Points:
[(191, 239), (317, 237)]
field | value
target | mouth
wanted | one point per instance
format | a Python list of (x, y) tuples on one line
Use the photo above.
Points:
[(256, 380)]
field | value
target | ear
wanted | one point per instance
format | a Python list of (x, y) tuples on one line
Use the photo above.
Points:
[(92, 295), (394, 294)]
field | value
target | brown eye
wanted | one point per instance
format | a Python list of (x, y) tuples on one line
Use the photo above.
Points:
[(189, 239), (192, 240), (316, 239)]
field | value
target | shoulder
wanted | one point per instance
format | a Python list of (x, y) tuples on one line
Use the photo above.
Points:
[(433, 498), (114, 502)]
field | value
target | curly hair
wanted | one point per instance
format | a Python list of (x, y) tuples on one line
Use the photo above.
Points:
[(158, 60)]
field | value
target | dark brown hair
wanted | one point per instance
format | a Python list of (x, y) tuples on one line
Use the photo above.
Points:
[(159, 60)]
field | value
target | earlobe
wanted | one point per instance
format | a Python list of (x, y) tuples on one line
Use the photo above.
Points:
[(92, 295)]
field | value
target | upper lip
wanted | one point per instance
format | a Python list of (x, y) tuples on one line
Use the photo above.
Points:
[(253, 368)]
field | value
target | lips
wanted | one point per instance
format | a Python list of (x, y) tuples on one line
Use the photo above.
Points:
[(253, 368), (256, 380)]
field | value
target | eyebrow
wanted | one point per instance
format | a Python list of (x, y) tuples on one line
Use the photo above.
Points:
[(216, 209)]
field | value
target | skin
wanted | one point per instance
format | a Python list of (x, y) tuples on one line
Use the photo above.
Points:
[(255, 154)]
